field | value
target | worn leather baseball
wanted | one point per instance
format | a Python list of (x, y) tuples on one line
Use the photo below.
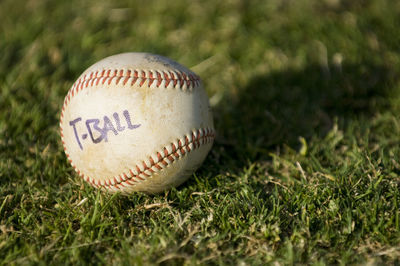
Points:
[(136, 122)]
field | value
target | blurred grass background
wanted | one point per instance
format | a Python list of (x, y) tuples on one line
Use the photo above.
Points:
[(305, 167)]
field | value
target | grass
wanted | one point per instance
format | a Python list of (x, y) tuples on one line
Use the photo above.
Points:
[(305, 169)]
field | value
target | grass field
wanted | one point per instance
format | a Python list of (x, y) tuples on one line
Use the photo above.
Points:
[(305, 168)]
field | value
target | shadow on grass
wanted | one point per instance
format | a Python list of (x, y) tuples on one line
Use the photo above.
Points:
[(275, 110)]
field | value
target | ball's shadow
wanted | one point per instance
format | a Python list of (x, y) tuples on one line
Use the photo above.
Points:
[(276, 109)]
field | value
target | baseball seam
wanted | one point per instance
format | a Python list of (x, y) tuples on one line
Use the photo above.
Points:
[(154, 163), (168, 154), (154, 79)]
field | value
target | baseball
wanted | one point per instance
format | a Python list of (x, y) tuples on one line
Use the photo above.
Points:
[(136, 122)]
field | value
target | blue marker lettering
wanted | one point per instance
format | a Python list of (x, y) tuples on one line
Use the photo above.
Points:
[(72, 123)]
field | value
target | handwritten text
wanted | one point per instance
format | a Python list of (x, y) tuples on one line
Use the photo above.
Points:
[(98, 130)]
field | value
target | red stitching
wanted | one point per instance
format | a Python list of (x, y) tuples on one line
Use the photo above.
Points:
[(167, 79), (185, 79), (151, 79), (128, 75), (145, 167), (135, 77), (107, 76), (159, 79), (164, 162), (143, 79), (123, 180), (206, 138), (173, 78), (110, 79), (130, 171)]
